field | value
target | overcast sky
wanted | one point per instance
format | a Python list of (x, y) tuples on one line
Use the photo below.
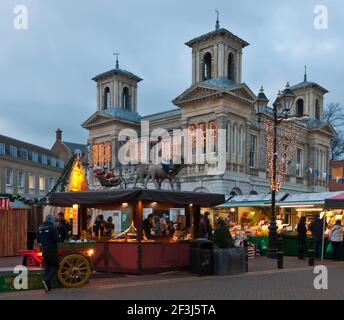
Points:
[(46, 70)]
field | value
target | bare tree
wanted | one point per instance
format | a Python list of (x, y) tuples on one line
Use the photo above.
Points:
[(334, 115)]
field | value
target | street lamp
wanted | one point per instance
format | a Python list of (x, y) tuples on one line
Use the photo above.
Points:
[(283, 102)]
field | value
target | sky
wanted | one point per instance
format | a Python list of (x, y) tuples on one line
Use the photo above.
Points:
[(46, 69)]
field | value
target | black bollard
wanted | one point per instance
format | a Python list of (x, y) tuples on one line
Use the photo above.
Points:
[(311, 252), (280, 253), (246, 254)]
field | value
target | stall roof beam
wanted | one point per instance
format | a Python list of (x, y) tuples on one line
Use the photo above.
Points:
[(96, 198)]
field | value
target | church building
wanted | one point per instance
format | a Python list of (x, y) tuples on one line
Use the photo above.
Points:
[(217, 99)]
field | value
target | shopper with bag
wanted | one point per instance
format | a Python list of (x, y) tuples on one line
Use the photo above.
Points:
[(336, 238)]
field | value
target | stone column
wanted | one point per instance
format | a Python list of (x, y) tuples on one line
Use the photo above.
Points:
[(221, 64), (216, 61), (193, 67), (98, 98), (197, 67)]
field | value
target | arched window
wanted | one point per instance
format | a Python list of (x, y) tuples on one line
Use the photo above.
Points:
[(234, 138), (317, 110), (252, 193), (203, 138), (125, 98), (207, 66), (106, 102), (228, 136), (299, 107), (240, 141), (230, 73), (213, 135), (192, 138)]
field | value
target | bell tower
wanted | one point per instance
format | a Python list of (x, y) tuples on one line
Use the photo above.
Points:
[(117, 91), (217, 54)]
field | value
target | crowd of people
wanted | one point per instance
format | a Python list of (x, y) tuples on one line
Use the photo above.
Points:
[(103, 228), (156, 226), (317, 228)]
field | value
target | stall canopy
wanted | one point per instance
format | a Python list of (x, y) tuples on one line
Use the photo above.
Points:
[(96, 198), (254, 200), (336, 202), (305, 199)]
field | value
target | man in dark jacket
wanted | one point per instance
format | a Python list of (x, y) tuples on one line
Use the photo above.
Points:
[(317, 229), (63, 227), (48, 237), (148, 225)]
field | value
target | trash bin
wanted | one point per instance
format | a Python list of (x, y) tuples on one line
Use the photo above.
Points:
[(201, 257)]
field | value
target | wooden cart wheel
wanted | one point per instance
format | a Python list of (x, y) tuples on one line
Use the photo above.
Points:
[(74, 271)]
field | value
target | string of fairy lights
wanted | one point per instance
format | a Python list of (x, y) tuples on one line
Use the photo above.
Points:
[(288, 136)]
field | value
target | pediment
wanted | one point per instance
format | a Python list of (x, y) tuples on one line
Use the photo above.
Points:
[(96, 119), (195, 93), (328, 129), (242, 91)]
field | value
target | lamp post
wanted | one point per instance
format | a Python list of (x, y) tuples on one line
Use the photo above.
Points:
[(284, 102)]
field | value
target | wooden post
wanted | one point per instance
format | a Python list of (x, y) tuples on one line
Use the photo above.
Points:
[(82, 219), (138, 214), (196, 217)]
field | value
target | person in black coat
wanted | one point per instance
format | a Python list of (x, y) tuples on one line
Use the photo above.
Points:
[(317, 229), (148, 225), (63, 227), (48, 238), (301, 237)]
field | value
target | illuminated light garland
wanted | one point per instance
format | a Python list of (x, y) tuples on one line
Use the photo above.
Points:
[(288, 136), (101, 153)]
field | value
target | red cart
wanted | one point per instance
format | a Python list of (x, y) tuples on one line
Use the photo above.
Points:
[(75, 266)]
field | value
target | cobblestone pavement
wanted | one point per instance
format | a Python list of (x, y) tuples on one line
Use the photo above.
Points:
[(294, 283)]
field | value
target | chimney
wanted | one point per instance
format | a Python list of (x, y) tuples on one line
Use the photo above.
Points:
[(58, 135)]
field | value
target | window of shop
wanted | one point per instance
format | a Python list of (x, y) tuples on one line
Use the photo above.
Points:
[(21, 180), (32, 183), (41, 184), (44, 159), (34, 157), (299, 162), (9, 177), (2, 148), (24, 154), (253, 151), (13, 152), (50, 183)]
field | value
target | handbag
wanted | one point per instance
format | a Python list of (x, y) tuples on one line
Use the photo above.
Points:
[(329, 248)]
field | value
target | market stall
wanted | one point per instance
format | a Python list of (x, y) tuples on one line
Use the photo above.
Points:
[(131, 249), (13, 226)]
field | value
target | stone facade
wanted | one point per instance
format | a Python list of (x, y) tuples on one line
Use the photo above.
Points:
[(26, 169), (218, 97)]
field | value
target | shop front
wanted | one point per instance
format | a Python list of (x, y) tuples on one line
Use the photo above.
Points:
[(250, 216), (124, 225)]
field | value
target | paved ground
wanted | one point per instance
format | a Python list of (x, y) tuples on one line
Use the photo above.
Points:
[(293, 283)]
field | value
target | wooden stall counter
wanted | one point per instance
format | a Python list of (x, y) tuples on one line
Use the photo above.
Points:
[(156, 256)]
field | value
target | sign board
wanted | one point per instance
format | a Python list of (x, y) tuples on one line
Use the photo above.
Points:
[(75, 230)]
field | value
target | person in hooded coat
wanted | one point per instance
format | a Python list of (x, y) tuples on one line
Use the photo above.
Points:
[(48, 238)]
